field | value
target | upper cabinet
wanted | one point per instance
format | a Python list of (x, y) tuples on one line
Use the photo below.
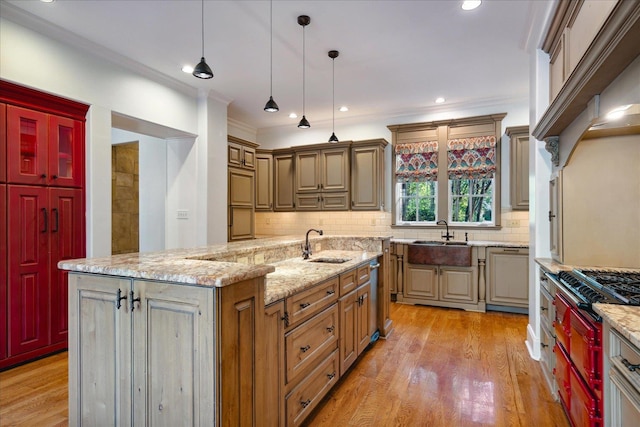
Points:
[(242, 154), (283, 172), (322, 178), (519, 167), (367, 174), (264, 181), (44, 149)]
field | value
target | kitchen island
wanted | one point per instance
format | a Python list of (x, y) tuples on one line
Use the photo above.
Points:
[(218, 335)]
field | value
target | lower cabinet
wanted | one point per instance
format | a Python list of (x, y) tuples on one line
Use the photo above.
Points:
[(3, 264), (443, 286), (270, 385), (354, 325), (143, 353), (508, 277)]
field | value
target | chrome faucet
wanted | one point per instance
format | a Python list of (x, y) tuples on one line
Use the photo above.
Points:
[(446, 236), (306, 249)]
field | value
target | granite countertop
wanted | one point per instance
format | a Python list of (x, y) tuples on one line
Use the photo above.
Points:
[(553, 266), (623, 318), (485, 243)]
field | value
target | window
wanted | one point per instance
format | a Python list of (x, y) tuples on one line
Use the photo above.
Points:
[(447, 170)]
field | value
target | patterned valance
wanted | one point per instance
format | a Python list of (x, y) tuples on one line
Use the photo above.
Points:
[(471, 158), (417, 161)]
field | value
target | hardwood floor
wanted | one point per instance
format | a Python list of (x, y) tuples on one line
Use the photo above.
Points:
[(440, 367)]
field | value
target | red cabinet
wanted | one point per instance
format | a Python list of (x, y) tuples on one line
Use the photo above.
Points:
[(41, 218), (43, 149)]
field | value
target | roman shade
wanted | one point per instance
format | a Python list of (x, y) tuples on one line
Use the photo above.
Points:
[(471, 158), (417, 161)]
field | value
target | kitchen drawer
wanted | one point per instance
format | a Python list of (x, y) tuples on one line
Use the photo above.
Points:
[(364, 274), (307, 343), (561, 324), (561, 373), (305, 304), (348, 282), (547, 309), (548, 358), (583, 409), (306, 396), (623, 355), (586, 352)]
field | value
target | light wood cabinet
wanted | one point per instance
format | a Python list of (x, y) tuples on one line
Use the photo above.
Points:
[(322, 179), (271, 384), (307, 303), (152, 353), (241, 204), (283, 181), (241, 153), (367, 174), (555, 216), (519, 167), (508, 277), (355, 312), (264, 181)]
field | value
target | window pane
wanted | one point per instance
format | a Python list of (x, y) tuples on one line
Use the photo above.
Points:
[(471, 200)]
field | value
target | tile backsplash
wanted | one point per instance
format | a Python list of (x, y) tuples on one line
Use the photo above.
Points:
[(515, 225)]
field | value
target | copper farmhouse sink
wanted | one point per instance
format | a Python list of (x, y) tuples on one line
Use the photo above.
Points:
[(440, 253)]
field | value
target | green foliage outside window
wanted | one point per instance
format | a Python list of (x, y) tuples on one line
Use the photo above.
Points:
[(471, 200), (417, 201)]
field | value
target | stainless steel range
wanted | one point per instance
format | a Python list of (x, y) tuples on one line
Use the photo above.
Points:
[(578, 349)]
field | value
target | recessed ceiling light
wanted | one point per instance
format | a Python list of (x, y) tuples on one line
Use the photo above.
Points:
[(293, 116), (470, 4), (439, 100), (344, 108), (187, 69)]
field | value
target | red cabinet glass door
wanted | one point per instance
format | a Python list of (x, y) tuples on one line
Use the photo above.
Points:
[(28, 232), (66, 152), (66, 242), (27, 152)]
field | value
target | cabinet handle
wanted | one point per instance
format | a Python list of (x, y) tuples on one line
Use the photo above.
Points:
[(543, 309), (331, 376), (46, 220), (374, 266), (305, 305), (305, 403), (629, 365), (54, 177), (331, 328), (543, 345), (133, 300), (331, 292), (551, 216), (305, 348), (511, 250), (56, 220), (119, 299), (43, 176)]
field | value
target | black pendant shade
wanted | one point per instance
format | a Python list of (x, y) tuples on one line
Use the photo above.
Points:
[(333, 138), (202, 70), (271, 106), (304, 123), (333, 54), (303, 21)]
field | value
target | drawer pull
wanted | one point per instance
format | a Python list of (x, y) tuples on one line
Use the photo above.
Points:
[(331, 292), (630, 366), (305, 403), (305, 304), (543, 345), (543, 308), (305, 348), (331, 328), (331, 376)]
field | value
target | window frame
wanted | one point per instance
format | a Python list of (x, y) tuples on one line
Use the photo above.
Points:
[(442, 131)]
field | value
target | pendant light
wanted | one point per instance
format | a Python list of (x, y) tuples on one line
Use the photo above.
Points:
[(303, 20), (333, 54), (202, 70), (271, 106)]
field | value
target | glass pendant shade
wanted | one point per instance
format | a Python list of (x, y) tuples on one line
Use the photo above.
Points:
[(304, 123), (271, 106), (333, 138), (202, 70)]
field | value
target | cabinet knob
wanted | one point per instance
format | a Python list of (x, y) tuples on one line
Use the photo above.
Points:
[(305, 403), (43, 176), (305, 305), (331, 376), (305, 348), (331, 292), (331, 328)]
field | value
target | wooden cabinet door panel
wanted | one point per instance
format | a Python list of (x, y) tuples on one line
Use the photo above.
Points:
[(365, 170), (3, 142), (307, 171), (364, 315), (3, 271), (508, 277), (172, 327), (99, 351), (264, 182), (241, 187), (421, 282), (335, 201), (335, 170), (27, 153), (283, 182), (241, 224), (66, 242), (66, 152), (348, 331), (271, 364), (29, 290), (457, 285)]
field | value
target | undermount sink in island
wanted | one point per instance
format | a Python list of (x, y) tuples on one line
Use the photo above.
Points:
[(190, 336)]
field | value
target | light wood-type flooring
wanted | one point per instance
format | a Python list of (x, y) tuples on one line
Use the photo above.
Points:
[(440, 367)]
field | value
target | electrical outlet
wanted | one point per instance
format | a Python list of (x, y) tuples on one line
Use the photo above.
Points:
[(513, 223), (183, 214), (267, 220)]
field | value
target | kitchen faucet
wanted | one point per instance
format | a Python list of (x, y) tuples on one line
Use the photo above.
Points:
[(306, 249), (446, 236)]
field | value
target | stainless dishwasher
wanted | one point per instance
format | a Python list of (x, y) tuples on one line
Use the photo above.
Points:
[(373, 312)]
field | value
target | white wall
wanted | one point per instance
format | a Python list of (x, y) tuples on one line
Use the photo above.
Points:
[(152, 187), (77, 73)]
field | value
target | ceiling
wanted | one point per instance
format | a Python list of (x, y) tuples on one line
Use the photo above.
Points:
[(396, 57)]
